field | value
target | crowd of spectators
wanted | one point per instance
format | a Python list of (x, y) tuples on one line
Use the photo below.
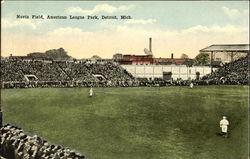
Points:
[(16, 144), (236, 72), (44, 71), (104, 74), (64, 74), (84, 71), (178, 82)]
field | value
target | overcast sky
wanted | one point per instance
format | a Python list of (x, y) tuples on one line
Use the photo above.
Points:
[(175, 27)]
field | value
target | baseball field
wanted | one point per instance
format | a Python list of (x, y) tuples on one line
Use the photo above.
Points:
[(135, 123)]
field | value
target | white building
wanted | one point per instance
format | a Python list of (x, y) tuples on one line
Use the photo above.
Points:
[(168, 71)]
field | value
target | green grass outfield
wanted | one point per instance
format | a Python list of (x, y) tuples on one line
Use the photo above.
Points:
[(135, 123)]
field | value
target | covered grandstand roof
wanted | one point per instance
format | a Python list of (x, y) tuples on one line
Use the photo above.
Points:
[(227, 48)]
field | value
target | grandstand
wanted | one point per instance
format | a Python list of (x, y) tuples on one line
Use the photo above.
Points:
[(226, 52), (235, 72), (62, 73), (41, 73), (16, 144)]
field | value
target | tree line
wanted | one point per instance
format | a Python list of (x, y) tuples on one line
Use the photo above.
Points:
[(55, 54)]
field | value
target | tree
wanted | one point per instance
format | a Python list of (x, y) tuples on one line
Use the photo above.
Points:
[(96, 57), (55, 54), (184, 56), (189, 62), (36, 54), (202, 58)]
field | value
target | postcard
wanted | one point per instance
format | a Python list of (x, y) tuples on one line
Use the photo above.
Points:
[(124, 79)]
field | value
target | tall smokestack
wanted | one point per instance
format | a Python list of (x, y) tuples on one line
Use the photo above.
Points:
[(150, 44), (172, 56)]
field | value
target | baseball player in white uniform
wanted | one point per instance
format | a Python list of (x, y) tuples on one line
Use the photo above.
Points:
[(224, 126), (91, 92), (191, 85)]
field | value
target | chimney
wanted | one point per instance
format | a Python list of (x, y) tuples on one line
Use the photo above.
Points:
[(172, 56), (150, 44)]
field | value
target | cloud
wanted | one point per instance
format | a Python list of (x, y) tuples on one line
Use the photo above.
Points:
[(100, 8), (232, 13), (140, 21), (66, 31), (8, 23), (132, 40), (125, 39), (216, 29), (29, 23)]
